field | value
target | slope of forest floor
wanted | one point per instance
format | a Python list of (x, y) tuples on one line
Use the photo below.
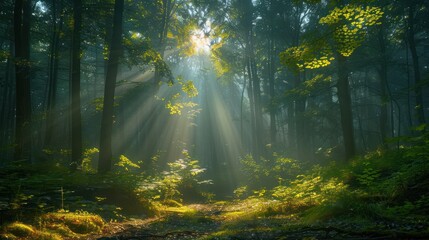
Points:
[(381, 195), (242, 220)]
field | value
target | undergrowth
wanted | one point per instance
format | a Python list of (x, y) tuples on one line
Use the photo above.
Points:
[(383, 185)]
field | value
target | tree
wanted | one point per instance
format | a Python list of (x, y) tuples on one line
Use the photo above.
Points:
[(105, 159), (411, 5), (349, 22), (76, 118), (254, 90), (22, 14), (53, 72), (347, 30)]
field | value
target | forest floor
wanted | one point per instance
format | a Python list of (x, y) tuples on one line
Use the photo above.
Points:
[(236, 220)]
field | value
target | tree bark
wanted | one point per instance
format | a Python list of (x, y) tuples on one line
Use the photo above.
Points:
[(416, 67), (105, 159), (22, 14), (384, 97), (167, 8), (300, 122), (76, 119), (255, 82), (53, 74), (272, 70), (345, 102)]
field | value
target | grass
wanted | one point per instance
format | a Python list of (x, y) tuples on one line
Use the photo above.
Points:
[(56, 226)]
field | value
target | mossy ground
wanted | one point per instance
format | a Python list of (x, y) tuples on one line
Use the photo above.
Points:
[(56, 225), (382, 195)]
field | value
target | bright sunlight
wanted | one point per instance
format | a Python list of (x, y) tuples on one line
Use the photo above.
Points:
[(200, 42)]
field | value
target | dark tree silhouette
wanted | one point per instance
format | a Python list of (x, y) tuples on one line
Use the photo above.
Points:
[(105, 160), (22, 14), (76, 118)]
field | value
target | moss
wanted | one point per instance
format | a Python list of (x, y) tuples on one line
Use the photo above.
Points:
[(47, 236), (172, 203), (20, 230), (80, 223), (180, 210), (234, 215)]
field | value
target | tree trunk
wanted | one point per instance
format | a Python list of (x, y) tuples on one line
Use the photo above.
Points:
[(384, 97), (241, 106), (344, 99), (22, 14), (300, 122), (291, 127), (76, 119), (417, 78), (162, 35), (105, 159), (259, 138), (53, 75), (6, 90), (251, 106), (272, 70)]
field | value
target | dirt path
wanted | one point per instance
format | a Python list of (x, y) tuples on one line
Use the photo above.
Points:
[(190, 222), (229, 221)]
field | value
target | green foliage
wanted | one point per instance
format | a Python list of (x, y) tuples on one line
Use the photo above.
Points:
[(368, 176), (189, 88), (307, 56), (350, 24), (87, 161), (183, 173), (140, 53), (220, 64), (310, 87), (240, 192), (125, 164), (310, 189), (382, 185), (277, 169), (99, 103), (178, 101)]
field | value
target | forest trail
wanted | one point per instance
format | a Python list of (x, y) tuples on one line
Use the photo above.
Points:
[(232, 221), (188, 222)]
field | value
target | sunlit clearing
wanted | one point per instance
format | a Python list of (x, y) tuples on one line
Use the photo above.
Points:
[(200, 42), (209, 130)]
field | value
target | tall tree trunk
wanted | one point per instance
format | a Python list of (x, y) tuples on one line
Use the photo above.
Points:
[(384, 97), (291, 127), (76, 119), (22, 14), (241, 106), (259, 138), (300, 122), (417, 78), (7, 89), (272, 70), (252, 109), (167, 8), (105, 159), (409, 105), (344, 99), (53, 74), (254, 83)]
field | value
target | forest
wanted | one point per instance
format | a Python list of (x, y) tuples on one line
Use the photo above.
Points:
[(220, 119)]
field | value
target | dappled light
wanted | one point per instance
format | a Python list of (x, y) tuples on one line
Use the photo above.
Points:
[(238, 119), (200, 42)]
